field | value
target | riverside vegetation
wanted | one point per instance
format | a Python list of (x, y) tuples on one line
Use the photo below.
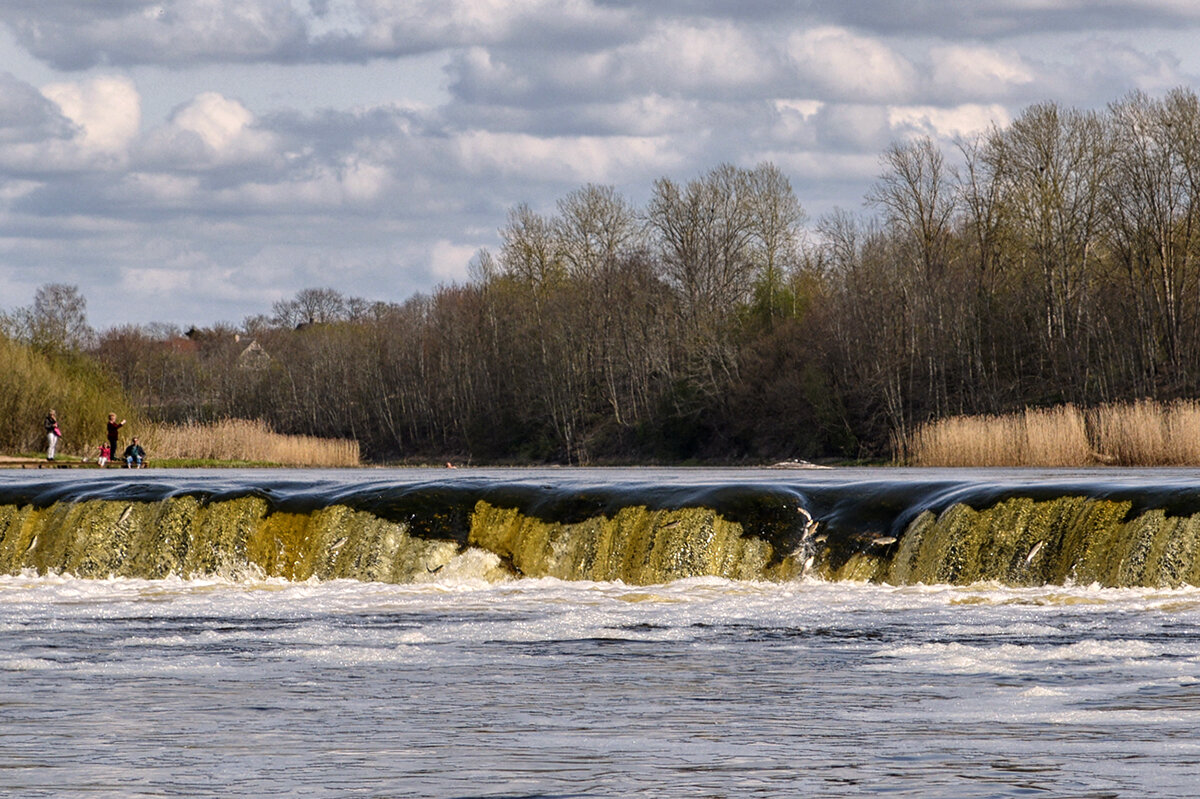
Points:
[(1052, 265), (84, 392), (1144, 433)]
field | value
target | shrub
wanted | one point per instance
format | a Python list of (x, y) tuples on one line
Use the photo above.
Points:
[(80, 390)]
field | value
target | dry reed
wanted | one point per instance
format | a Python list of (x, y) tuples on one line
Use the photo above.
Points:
[(1148, 433), (1034, 437), (1144, 433), (245, 440)]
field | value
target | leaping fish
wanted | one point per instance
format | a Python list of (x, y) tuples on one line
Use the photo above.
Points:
[(810, 524), (1033, 552)]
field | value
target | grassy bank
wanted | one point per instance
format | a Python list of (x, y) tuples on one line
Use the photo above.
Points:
[(1144, 433)]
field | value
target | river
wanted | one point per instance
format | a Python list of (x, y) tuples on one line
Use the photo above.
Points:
[(467, 683)]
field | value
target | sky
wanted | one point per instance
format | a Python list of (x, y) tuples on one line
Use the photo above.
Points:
[(194, 161)]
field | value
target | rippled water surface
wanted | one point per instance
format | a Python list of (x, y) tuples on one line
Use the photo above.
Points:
[(543, 688)]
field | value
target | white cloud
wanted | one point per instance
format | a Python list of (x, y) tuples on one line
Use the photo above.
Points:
[(666, 60), (328, 188), (331, 18), (820, 165), (402, 26), (152, 284), (700, 57), (947, 124), (158, 32), (398, 25), (84, 33), (1112, 67), (218, 121), (978, 72), (795, 122), (482, 74), (846, 66), (448, 261), (644, 115), (106, 111), (211, 130), (27, 115), (569, 158)]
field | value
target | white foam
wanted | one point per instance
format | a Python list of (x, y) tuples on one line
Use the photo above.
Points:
[(1041, 690), (26, 664)]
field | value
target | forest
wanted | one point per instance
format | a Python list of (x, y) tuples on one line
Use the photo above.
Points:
[(1052, 260)]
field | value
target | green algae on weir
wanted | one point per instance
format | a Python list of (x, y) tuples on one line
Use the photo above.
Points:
[(935, 532), (180, 536), (1022, 541), (636, 545)]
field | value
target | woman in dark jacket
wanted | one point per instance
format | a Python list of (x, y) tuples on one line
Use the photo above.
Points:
[(113, 427), (53, 434)]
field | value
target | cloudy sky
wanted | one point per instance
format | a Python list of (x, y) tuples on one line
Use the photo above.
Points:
[(192, 161)]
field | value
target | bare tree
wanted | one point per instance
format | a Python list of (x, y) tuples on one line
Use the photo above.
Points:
[(776, 224), (311, 306), (704, 233), (918, 198), (596, 227), (1053, 163), (531, 250), (1154, 226)]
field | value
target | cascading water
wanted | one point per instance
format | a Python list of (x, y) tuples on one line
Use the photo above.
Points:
[(1114, 528)]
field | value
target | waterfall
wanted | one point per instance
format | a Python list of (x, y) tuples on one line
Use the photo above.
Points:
[(1133, 531)]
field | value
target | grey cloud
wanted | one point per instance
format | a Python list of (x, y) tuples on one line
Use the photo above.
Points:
[(984, 19), (697, 62), (1102, 71), (990, 19), (77, 34), (852, 128), (80, 34), (26, 116), (649, 115), (388, 165)]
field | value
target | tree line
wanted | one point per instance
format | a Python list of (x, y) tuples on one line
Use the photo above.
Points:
[(1052, 260)]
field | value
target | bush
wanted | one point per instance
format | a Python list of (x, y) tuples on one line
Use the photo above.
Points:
[(80, 390)]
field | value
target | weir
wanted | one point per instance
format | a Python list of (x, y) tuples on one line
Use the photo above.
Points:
[(639, 526)]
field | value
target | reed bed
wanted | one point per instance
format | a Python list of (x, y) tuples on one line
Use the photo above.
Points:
[(1148, 433), (1144, 433), (1034, 437), (245, 440)]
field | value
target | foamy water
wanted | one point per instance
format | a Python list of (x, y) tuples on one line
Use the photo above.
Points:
[(707, 687)]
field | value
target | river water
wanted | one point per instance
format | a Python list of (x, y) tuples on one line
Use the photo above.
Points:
[(541, 688), (702, 687)]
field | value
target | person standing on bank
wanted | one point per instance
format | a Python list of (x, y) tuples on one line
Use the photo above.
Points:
[(113, 427), (53, 434)]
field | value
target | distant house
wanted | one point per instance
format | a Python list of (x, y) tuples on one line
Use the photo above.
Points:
[(181, 344), (253, 357)]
